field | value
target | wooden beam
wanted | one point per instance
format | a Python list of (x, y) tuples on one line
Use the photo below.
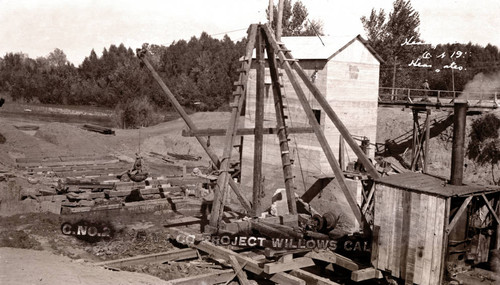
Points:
[(314, 190), (259, 126), (203, 142), (318, 131), (492, 211), (238, 270), (244, 131), (297, 263), (205, 279), (335, 258), (239, 98), (366, 274), (162, 257), (312, 279), (460, 211)]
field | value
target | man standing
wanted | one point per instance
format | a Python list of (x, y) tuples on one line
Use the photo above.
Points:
[(426, 87)]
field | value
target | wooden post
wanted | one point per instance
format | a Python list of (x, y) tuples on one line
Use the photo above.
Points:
[(273, 46), (224, 177), (427, 140), (415, 145), (259, 125), (279, 25), (331, 114), (282, 130), (203, 142), (342, 161)]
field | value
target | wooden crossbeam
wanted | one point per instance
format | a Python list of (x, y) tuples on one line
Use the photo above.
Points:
[(366, 274), (335, 258), (297, 263), (459, 213), (162, 257), (244, 131), (238, 270), (314, 190), (492, 211)]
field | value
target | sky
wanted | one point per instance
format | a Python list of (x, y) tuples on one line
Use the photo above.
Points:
[(37, 27)]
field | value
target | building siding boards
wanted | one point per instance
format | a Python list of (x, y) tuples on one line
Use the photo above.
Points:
[(411, 234)]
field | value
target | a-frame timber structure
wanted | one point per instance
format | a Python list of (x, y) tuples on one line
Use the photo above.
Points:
[(261, 38)]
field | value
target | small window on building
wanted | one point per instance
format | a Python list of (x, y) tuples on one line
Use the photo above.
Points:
[(353, 72), (268, 87), (317, 114)]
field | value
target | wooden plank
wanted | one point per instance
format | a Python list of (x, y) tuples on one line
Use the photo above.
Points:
[(314, 190), (391, 227), (444, 252), (459, 213), (244, 131), (383, 234), (413, 237), (437, 253), (420, 232), (377, 223), (162, 257), (242, 277), (492, 211), (398, 233), (335, 258), (311, 279), (429, 238), (297, 263), (205, 279), (366, 274), (405, 232)]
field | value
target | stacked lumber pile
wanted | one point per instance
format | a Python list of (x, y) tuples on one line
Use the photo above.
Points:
[(84, 195), (70, 166)]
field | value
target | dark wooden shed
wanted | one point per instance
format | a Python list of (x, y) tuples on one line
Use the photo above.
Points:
[(423, 226)]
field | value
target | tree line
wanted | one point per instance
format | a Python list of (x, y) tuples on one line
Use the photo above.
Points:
[(201, 70), (408, 60)]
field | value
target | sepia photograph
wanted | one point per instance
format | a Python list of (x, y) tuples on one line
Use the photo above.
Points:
[(250, 142)]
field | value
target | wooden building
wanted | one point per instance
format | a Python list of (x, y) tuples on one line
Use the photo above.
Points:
[(424, 226), (346, 71)]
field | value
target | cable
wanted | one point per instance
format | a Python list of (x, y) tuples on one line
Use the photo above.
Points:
[(222, 33)]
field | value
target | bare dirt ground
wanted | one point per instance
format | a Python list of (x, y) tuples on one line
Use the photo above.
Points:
[(32, 247)]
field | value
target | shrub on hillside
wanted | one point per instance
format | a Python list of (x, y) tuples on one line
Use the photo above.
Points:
[(137, 113)]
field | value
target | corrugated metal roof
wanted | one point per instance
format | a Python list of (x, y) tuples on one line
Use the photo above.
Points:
[(425, 183)]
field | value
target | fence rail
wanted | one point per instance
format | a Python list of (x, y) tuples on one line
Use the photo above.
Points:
[(388, 95)]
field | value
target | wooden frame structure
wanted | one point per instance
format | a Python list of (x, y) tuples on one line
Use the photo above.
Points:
[(418, 219), (279, 57)]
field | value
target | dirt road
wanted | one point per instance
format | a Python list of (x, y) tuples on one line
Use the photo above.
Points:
[(24, 266)]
